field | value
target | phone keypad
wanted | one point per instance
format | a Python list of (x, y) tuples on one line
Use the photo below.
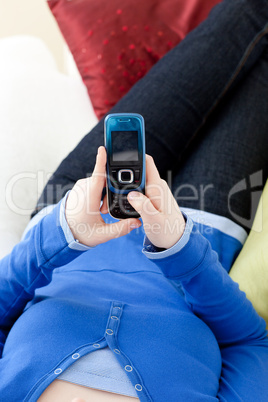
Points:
[(118, 203), (121, 205)]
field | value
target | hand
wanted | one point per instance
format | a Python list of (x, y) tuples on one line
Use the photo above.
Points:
[(163, 221), (83, 209)]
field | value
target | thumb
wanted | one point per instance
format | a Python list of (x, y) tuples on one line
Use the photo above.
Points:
[(142, 205), (78, 400)]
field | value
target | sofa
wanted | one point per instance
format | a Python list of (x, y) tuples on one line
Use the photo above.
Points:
[(44, 114)]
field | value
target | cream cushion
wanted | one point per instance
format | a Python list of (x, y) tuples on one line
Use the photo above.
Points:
[(250, 269)]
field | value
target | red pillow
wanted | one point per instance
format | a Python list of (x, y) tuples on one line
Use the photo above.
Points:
[(115, 43)]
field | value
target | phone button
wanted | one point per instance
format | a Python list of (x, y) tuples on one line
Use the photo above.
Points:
[(114, 178), (125, 176), (116, 211), (115, 200), (137, 176)]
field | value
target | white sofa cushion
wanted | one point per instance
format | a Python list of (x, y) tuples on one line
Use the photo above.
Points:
[(44, 114)]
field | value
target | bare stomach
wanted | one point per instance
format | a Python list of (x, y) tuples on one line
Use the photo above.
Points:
[(63, 391)]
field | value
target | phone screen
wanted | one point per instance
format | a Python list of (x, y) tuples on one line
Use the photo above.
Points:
[(124, 146)]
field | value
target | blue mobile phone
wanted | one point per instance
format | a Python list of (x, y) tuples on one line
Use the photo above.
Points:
[(124, 139)]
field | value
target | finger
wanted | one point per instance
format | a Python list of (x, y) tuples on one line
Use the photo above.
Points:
[(100, 165), (143, 206), (104, 207), (78, 400), (119, 229), (97, 180), (155, 188), (152, 174)]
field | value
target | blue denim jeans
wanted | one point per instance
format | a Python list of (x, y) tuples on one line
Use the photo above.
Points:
[(223, 171), (205, 107)]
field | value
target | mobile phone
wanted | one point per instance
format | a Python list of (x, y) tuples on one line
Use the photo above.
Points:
[(124, 139)]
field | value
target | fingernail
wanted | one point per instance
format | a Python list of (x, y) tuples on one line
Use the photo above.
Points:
[(134, 194), (134, 225)]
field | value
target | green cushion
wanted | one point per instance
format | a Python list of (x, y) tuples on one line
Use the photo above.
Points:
[(250, 269)]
